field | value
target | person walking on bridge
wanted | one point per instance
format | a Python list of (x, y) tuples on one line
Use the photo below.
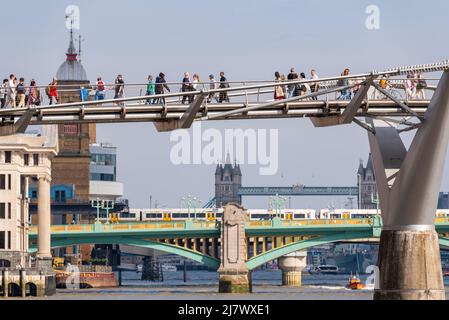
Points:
[(150, 89), (278, 90), (84, 94), (3, 92), (345, 93), (410, 87), (34, 95), (421, 85), (305, 87), (212, 86), (292, 76), (314, 86), (100, 89), (195, 83), (119, 87), (52, 91), (21, 91), (11, 92), (186, 86), (161, 85), (223, 85)]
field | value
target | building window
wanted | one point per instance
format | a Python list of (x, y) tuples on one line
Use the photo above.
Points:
[(8, 156), (36, 159), (2, 210), (9, 182), (60, 196), (71, 130), (2, 239), (26, 159), (9, 240), (2, 182), (34, 194), (9, 210)]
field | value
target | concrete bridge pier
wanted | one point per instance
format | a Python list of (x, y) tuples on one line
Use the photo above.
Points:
[(234, 275), (292, 266), (408, 183)]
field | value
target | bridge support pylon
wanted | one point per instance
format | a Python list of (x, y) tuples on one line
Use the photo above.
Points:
[(408, 183), (234, 275), (292, 266)]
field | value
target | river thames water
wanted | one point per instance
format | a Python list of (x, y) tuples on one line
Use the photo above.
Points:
[(203, 285)]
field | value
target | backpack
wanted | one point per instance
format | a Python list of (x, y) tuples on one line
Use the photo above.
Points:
[(20, 88), (300, 87), (47, 90), (421, 84)]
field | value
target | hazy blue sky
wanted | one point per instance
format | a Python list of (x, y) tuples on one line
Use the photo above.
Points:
[(247, 39)]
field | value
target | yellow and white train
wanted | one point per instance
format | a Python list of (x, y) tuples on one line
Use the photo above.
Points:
[(135, 215), (362, 213), (210, 214)]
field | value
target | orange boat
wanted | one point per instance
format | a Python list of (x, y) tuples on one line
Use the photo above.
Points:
[(355, 283)]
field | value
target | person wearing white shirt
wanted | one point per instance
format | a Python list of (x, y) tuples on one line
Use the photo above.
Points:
[(314, 86), (195, 82), (11, 94), (212, 86), (3, 92)]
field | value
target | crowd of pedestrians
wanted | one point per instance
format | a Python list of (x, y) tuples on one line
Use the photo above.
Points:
[(15, 93), (295, 88)]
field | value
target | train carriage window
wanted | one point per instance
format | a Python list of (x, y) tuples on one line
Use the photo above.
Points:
[(260, 216), (179, 215), (153, 215), (299, 216), (360, 215), (335, 216), (125, 214)]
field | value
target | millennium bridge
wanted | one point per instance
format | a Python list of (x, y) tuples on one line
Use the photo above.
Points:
[(408, 179)]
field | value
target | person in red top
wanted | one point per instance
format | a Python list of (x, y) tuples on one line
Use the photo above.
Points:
[(100, 91), (52, 91)]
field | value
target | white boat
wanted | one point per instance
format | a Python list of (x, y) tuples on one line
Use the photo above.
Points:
[(169, 268), (324, 269)]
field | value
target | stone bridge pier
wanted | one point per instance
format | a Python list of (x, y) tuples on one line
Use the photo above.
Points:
[(408, 182), (234, 274), (292, 265)]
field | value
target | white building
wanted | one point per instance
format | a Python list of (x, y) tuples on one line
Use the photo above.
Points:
[(103, 172), (23, 157)]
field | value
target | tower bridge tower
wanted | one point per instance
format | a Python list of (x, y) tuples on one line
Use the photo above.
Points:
[(366, 184)]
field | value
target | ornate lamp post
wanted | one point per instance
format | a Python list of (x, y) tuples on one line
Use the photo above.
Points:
[(376, 201), (191, 202), (107, 205), (278, 203), (97, 204)]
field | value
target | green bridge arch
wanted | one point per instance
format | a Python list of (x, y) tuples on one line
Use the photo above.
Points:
[(210, 262), (296, 246), (214, 263)]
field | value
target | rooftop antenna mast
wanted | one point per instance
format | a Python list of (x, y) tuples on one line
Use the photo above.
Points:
[(80, 39), (72, 21)]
